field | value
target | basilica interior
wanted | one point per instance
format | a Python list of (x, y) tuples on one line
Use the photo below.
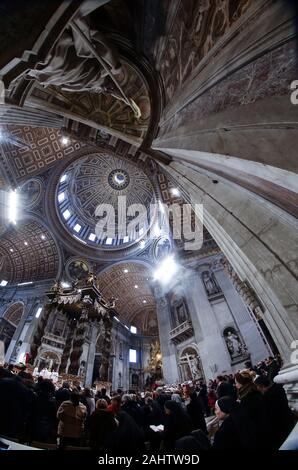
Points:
[(182, 116)]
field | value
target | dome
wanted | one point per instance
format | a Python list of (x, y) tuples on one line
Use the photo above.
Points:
[(94, 193)]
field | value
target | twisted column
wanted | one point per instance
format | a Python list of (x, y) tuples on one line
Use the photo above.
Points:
[(105, 350), (66, 351), (39, 332), (77, 345)]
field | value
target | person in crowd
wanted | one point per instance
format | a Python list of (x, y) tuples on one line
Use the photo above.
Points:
[(71, 415), (103, 395), (152, 415), (132, 408), (24, 374), (11, 368), (103, 427), (236, 430), (62, 394), (280, 417), (43, 419), (160, 398), (195, 411), (177, 398), (88, 400), (212, 397), (272, 368), (129, 437), (252, 403), (177, 424), (224, 388), (203, 397), (115, 404), (17, 402), (196, 441)]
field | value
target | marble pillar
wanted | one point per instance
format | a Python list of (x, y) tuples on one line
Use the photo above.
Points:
[(254, 342), (28, 308), (91, 355), (169, 360), (214, 356)]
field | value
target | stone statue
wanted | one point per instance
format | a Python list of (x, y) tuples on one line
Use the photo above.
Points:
[(72, 65), (194, 368), (82, 368), (56, 287), (111, 303), (210, 283), (91, 278), (181, 313), (234, 344)]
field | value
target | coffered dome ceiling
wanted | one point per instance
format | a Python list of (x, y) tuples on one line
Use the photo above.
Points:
[(91, 187), (28, 253), (129, 283)]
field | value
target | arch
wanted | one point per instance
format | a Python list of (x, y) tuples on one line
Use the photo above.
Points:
[(9, 322), (135, 304), (21, 262), (14, 313), (49, 359)]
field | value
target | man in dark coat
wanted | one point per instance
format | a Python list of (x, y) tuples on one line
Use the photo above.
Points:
[(63, 394), (273, 368), (224, 388), (103, 427), (281, 419), (195, 412), (17, 401)]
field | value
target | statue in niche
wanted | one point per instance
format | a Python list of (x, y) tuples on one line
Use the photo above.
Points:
[(82, 368), (181, 313), (235, 346), (195, 368), (210, 283)]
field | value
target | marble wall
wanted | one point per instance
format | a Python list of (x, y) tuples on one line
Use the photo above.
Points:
[(193, 28), (213, 315)]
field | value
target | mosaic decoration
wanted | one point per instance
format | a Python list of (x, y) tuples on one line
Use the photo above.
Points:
[(77, 269), (31, 193)]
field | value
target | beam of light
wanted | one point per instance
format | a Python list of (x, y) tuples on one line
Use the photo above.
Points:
[(166, 270), (38, 312), (3, 283), (12, 207)]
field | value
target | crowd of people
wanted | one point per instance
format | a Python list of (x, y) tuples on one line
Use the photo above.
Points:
[(246, 410)]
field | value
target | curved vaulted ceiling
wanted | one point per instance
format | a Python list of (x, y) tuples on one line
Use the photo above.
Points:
[(135, 305), (29, 150), (28, 252), (91, 187)]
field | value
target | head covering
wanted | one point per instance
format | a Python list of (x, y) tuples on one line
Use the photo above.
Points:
[(226, 404), (244, 377), (173, 406), (176, 397)]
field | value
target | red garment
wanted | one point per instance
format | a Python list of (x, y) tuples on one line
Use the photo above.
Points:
[(27, 357), (211, 399)]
